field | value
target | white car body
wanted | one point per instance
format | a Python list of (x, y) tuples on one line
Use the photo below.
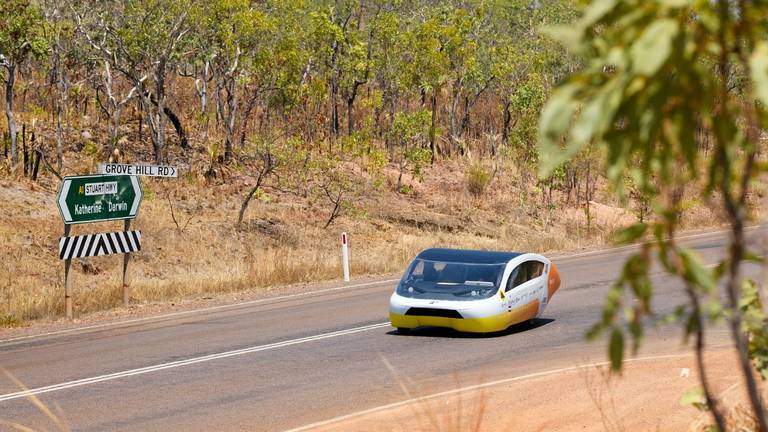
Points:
[(509, 303)]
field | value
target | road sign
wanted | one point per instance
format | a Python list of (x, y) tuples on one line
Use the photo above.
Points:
[(82, 246), (139, 170), (97, 198)]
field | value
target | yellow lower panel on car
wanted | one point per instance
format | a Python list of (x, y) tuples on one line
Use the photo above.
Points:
[(472, 325)]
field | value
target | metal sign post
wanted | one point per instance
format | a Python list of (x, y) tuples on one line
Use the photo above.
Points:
[(126, 260), (67, 265), (345, 255), (98, 198)]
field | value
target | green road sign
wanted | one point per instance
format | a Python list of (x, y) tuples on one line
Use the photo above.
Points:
[(97, 198)]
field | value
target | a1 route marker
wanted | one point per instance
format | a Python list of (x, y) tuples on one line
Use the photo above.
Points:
[(139, 170), (97, 198)]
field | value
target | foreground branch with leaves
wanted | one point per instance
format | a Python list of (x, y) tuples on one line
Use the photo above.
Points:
[(660, 81)]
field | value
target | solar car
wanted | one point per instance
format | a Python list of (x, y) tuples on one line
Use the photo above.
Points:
[(472, 291)]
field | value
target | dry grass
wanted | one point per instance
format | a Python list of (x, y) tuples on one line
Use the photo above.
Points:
[(192, 248), (53, 416), (464, 411), (599, 385)]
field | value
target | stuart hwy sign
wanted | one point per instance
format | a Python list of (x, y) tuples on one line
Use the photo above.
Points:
[(97, 198)]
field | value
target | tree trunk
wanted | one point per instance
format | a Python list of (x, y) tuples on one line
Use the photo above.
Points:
[(202, 87), (248, 197), (334, 125), (24, 153), (113, 128), (157, 115), (432, 130), (229, 117), (9, 114), (334, 120), (140, 103), (175, 121), (350, 114), (61, 103), (453, 113), (246, 116), (505, 127), (465, 116)]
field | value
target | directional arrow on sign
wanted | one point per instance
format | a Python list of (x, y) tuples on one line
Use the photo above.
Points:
[(98, 198)]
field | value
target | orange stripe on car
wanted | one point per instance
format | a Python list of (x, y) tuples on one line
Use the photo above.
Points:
[(554, 281)]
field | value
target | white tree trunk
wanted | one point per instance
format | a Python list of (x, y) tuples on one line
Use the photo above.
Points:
[(9, 114)]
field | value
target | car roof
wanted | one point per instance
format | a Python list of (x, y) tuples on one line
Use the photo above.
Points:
[(468, 256)]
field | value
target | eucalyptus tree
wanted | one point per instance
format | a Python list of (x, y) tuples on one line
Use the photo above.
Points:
[(342, 54), (463, 40), (527, 64), (21, 37), (409, 133), (355, 61), (388, 45), (654, 74), (284, 63), (60, 34), (427, 64), (236, 33), (143, 40)]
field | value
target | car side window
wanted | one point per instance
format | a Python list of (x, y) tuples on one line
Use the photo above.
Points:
[(537, 268), (524, 272)]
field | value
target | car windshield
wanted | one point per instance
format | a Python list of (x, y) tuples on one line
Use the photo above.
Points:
[(450, 280)]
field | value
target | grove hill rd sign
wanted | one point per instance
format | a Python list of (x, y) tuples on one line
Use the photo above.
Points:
[(97, 198), (138, 170)]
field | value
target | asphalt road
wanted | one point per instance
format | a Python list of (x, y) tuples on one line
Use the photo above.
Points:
[(285, 362)]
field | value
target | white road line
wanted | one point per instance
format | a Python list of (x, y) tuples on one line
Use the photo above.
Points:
[(194, 311), (186, 362), (475, 387)]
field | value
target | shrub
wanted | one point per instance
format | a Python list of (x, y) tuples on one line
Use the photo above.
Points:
[(477, 178)]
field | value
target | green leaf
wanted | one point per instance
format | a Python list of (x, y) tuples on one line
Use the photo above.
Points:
[(652, 49), (758, 65), (630, 234), (616, 349), (555, 120), (753, 257), (695, 398), (596, 11), (595, 118), (696, 271), (568, 35)]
